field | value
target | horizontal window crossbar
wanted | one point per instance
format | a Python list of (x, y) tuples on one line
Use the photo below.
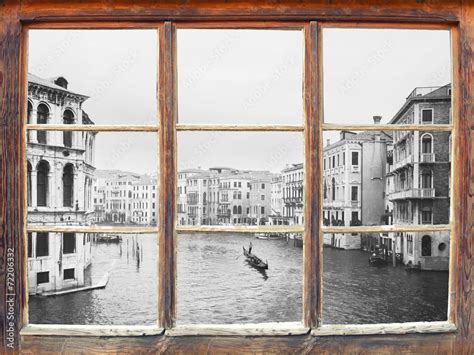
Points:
[(390, 228), (263, 329), (90, 330), (238, 127), (94, 128), (240, 229), (388, 127), (390, 328), (92, 229)]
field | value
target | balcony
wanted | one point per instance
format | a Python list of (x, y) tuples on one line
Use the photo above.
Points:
[(427, 158), (403, 162), (412, 194), (355, 168)]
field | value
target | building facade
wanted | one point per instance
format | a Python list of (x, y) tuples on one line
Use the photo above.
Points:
[(293, 197), (60, 178), (354, 184), (420, 178)]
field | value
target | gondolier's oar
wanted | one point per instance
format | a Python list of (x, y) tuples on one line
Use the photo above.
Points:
[(238, 256)]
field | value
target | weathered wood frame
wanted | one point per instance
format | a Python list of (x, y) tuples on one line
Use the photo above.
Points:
[(458, 15)]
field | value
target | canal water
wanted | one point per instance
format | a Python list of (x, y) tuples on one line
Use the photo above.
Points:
[(217, 285)]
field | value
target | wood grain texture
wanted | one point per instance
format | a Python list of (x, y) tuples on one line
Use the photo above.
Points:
[(388, 228), (146, 11), (167, 193), (240, 229), (90, 330), (11, 174), (93, 229), (388, 127), (237, 127), (93, 128), (263, 329), (393, 328), (312, 245)]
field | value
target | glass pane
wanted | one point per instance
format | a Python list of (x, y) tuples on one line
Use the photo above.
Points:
[(237, 178), (86, 278), (376, 285), (240, 76), (218, 284), (102, 178), (391, 73), (378, 178), (92, 76)]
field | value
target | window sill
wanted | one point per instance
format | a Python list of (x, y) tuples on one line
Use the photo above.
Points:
[(382, 329), (262, 329), (89, 330)]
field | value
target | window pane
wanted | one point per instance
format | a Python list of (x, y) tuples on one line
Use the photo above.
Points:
[(237, 178), (240, 76), (392, 178), (104, 178), (363, 286), (91, 76), (218, 284), (110, 279), (370, 76)]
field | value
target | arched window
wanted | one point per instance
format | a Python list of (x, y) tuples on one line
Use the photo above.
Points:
[(43, 114), (239, 210), (203, 197), (29, 183), (333, 190), (426, 179), (42, 180), (234, 210), (68, 185), (68, 118), (426, 245), (28, 119), (426, 144)]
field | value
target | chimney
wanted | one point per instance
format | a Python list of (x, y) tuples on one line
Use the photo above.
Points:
[(328, 142), (377, 119)]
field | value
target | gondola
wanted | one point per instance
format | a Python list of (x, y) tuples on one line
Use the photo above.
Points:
[(255, 261), (376, 259)]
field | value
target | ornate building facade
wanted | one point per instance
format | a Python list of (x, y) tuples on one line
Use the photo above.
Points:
[(60, 177)]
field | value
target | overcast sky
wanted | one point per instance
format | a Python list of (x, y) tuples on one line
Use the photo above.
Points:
[(235, 76)]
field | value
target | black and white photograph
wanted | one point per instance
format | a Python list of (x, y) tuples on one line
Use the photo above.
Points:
[(238, 179)]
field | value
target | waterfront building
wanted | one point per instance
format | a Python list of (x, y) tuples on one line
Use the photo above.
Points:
[(182, 212), (354, 183), (144, 194), (292, 178), (260, 199), (276, 214), (60, 177), (234, 197), (197, 192), (420, 187)]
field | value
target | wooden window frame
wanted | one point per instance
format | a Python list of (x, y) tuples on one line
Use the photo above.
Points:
[(456, 16)]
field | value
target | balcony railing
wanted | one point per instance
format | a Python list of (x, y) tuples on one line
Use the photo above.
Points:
[(427, 158), (402, 162), (412, 193), (355, 168)]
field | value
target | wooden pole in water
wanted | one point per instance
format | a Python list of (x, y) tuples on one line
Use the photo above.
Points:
[(394, 260)]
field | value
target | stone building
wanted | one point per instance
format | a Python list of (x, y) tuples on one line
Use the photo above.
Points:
[(420, 190), (293, 198), (354, 183), (60, 177), (260, 199)]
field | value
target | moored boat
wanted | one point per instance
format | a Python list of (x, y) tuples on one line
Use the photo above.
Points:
[(376, 259), (108, 238), (254, 260)]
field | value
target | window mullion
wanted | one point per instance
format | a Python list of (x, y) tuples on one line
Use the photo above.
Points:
[(312, 303), (167, 176)]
